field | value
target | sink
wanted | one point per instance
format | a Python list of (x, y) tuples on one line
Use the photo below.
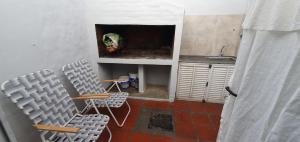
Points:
[(221, 58), (209, 59)]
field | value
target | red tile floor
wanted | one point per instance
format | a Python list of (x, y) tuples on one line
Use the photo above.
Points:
[(194, 122)]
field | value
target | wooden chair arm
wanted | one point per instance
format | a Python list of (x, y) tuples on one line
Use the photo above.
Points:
[(56, 128), (113, 80), (92, 96)]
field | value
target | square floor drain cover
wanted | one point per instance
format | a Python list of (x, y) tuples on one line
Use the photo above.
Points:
[(155, 121), (161, 120)]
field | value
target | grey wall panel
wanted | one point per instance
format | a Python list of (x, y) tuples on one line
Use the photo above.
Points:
[(3, 137), (37, 34)]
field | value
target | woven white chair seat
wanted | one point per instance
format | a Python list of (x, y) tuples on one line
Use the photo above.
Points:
[(90, 128), (116, 100), (85, 81)]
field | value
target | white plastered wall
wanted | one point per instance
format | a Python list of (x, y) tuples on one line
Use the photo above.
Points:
[(38, 34), (213, 7), (210, 25)]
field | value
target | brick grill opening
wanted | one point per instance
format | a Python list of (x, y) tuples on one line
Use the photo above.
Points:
[(139, 41)]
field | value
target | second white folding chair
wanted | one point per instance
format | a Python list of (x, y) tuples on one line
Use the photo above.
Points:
[(82, 77)]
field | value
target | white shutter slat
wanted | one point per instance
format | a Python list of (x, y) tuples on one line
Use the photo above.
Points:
[(185, 77), (219, 77), (230, 69), (199, 82), (192, 78)]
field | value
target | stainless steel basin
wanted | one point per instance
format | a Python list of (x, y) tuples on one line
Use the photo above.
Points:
[(209, 59), (221, 58)]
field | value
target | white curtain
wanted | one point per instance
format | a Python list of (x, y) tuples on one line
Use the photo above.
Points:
[(277, 15), (266, 77)]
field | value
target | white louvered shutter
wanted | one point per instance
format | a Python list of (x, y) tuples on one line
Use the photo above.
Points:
[(230, 69), (216, 85), (200, 79), (185, 79)]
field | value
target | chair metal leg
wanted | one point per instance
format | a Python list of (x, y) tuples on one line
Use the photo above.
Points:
[(112, 86), (86, 108), (118, 87), (110, 134), (129, 110), (96, 109)]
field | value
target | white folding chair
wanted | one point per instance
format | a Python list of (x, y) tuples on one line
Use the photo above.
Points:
[(46, 102), (82, 77)]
